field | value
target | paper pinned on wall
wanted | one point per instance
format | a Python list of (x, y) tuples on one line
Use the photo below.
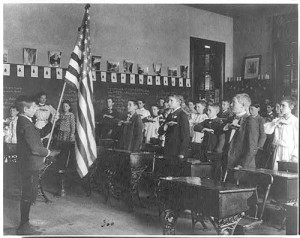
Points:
[(123, 78), (157, 80), (103, 76), (6, 69), (180, 82), (47, 73), (132, 79), (141, 78), (173, 82), (34, 71), (59, 73), (113, 77), (188, 83), (149, 80), (166, 81), (20, 70)]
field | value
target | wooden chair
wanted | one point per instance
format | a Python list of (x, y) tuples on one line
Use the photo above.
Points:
[(258, 202)]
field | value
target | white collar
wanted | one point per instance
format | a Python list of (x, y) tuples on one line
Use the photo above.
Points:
[(26, 117), (176, 109), (241, 114), (212, 118)]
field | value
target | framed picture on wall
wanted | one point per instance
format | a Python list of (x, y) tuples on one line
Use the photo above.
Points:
[(251, 67), (96, 62), (29, 56), (54, 58)]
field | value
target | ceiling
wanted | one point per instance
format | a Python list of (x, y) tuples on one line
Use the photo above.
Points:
[(237, 10)]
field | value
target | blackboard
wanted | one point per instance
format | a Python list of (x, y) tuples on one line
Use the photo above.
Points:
[(14, 86)]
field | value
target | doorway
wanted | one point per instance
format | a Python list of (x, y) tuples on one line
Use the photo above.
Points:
[(207, 64)]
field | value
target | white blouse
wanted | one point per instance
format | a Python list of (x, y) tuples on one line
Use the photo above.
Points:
[(286, 133)]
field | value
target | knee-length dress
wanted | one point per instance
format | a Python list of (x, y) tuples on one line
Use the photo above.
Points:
[(285, 142), (66, 129)]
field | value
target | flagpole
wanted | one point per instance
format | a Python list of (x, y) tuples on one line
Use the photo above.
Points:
[(59, 103)]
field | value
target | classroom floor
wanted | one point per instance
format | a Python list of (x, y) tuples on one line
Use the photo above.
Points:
[(77, 214)]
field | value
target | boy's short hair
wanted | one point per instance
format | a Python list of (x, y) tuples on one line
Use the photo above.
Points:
[(134, 101), (255, 105), (153, 105), (290, 100), (178, 98), (215, 106), (270, 104), (109, 98), (202, 102), (13, 107), (142, 100), (191, 101), (244, 99), (22, 102), (225, 100)]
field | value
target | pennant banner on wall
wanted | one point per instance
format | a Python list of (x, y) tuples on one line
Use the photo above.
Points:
[(47, 73), (59, 73), (103, 76), (141, 78), (34, 71), (132, 79), (6, 69), (20, 70), (123, 78), (114, 78), (157, 80), (149, 80)]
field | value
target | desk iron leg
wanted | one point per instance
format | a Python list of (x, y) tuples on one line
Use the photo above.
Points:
[(198, 217), (226, 226), (170, 219)]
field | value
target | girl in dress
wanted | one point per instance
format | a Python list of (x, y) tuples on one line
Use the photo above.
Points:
[(64, 141), (66, 122), (285, 128)]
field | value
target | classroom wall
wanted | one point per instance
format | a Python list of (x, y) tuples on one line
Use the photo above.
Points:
[(143, 33), (252, 35)]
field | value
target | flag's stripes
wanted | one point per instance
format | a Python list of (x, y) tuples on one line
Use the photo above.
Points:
[(86, 126), (81, 166), (71, 78), (81, 141), (79, 73)]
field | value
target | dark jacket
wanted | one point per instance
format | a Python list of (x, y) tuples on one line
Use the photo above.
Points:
[(213, 142), (260, 132), (177, 136), (241, 150), (30, 149), (225, 115), (108, 125), (132, 135)]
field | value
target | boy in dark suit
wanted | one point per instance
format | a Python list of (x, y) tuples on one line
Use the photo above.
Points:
[(132, 135), (214, 138), (177, 137), (260, 135), (109, 120), (31, 154), (176, 130), (226, 112), (240, 141)]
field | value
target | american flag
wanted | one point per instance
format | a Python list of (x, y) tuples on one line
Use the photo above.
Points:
[(79, 74)]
